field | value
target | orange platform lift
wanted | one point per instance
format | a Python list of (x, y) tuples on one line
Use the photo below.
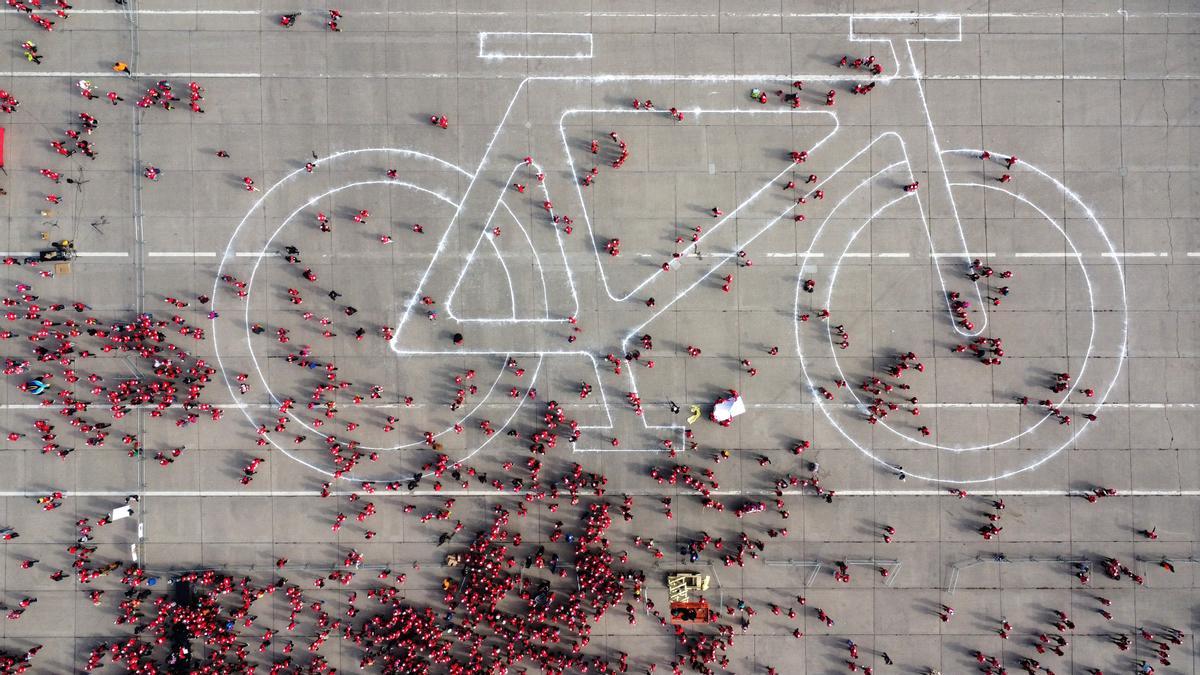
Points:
[(683, 610)]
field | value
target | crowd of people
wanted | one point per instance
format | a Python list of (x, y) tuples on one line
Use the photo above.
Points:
[(516, 597)]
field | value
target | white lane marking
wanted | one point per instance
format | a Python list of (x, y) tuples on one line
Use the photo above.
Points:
[(928, 26), (182, 254), (173, 12), (99, 74), (491, 493), (774, 254), (30, 74), (986, 254), (764, 406), (1136, 254), (499, 46), (1120, 13)]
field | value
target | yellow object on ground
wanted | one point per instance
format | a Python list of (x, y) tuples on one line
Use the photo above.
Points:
[(678, 585)]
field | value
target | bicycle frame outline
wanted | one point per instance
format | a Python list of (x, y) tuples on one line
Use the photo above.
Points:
[(914, 74)]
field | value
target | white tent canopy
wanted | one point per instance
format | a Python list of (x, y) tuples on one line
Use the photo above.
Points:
[(729, 408)]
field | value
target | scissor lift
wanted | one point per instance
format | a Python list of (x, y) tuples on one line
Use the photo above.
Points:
[(679, 585), (683, 611)]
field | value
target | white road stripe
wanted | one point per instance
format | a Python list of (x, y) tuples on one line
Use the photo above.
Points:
[(491, 493), (1120, 13), (711, 77), (97, 74), (535, 45), (986, 254), (174, 12), (781, 406), (772, 254)]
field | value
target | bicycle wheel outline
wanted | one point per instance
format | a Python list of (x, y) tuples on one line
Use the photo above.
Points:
[(1078, 429), (263, 252)]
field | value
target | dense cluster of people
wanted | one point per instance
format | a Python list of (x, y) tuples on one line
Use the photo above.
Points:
[(508, 604)]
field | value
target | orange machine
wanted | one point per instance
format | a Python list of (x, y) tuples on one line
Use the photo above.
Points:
[(683, 613)]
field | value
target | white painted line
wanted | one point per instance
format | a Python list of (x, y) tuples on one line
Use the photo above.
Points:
[(1193, 254), (778, 254), (1066, 404), (108, 73), (985, 254), (1134, 254), (499, 46), (945, 27), (790, 405), (491, 493), (1118, 14), (173, 12), (182, 254), (428, 75)]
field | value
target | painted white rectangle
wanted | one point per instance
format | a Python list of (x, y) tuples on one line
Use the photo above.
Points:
[(856, 255), (893, 255), (120, 513), (535, 45), (1037, 254), (1133, 254), (102, 254)]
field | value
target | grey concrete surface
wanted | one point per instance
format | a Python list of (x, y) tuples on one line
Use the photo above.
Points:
[(1098, 227)]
